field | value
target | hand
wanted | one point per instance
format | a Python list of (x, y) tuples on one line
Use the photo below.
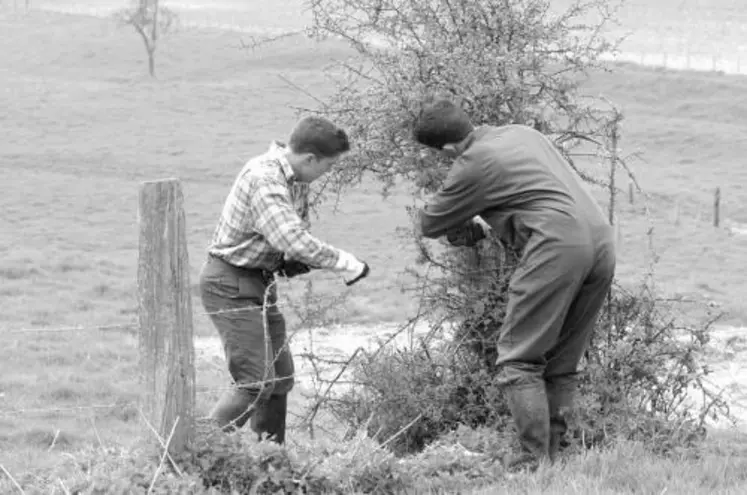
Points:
[(353, 268), (363, 274), (293, 268), (467, 235)]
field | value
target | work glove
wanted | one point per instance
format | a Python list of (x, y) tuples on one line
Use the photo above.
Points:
[(293, 268), (468, 235), (354, 269)]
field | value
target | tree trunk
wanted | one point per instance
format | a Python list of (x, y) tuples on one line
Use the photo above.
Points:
[(152, 62)]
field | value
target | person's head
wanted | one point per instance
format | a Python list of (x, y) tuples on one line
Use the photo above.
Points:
[(442, 125), (314, 146)]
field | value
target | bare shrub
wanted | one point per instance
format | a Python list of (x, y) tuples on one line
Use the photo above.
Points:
[(151, 21), (513, 61)]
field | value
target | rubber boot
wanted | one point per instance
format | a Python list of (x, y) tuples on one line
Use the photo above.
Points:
[(234, 408), (269, 421), (560, 394), (529, 409)]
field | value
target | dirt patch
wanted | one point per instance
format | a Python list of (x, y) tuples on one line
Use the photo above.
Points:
[(337, 343), (727, 357), (727, 360)]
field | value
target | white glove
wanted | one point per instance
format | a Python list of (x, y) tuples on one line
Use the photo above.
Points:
[(354, 269), (482, 223)]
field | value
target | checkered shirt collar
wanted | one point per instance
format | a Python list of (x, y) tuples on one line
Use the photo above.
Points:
[(277, 152)]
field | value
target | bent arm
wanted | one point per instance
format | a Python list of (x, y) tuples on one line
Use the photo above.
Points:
[(459, 200), (284, 229)]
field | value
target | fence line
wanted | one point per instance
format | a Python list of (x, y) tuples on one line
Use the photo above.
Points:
[(49, 410), (132, 326), (717, 220), (699, 62), (77, 328), (716, 216), (166, 342)]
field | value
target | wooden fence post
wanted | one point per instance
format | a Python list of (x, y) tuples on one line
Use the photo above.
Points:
[(717, 207), (165, 309)]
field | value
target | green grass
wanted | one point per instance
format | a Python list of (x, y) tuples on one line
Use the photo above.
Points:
[(628, 469), (81, 126)]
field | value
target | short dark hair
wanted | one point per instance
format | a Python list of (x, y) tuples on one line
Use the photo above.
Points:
[(441, 122), (317, 135)]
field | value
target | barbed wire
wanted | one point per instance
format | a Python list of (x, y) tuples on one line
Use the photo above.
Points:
[(132, 325), (251, 307), (74, 328), (50, 410), (337, 364)]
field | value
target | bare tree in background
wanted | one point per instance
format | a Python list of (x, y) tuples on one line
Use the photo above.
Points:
[(151, 21)]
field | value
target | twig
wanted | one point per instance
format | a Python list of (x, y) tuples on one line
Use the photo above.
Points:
[(64, 488), (256, 43), (54, 441), (323, 398), (164, 456), (161, 441), (402, 430), (15, 483), (96, 432), (300, 89)]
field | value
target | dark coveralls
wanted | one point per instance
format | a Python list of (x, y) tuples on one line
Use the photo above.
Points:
[(520, 184)]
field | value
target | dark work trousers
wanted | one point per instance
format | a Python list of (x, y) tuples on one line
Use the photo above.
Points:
[(255, 347), (555, 298)]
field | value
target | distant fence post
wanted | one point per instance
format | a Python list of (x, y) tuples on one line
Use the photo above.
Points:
[(166, 343), (717, 207)]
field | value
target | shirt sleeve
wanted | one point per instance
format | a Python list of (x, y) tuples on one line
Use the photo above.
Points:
[(459, 200), (277, 220)]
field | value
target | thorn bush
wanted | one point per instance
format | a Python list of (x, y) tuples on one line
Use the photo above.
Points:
[(637, 382), (520, 62)]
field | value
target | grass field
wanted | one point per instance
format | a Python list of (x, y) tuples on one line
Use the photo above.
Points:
[(82, 126)]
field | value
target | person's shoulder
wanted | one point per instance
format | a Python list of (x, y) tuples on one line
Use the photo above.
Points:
[(510, 129), (507, 136), (262, 169)]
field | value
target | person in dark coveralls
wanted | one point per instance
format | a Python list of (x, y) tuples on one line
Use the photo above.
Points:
[(513, 180), (263, 231)]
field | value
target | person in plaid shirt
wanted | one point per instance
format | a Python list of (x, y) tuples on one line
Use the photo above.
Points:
[(263, 231)]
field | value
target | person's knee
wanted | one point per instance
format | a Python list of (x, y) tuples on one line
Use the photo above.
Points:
[(284, 371), (562, 380), (514, 373), (284, 385), (606, 265), (563, 366), (276, 384)]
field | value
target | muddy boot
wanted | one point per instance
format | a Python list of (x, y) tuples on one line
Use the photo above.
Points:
[(234, 409), (269, 420), (560, 394), (529, 409)]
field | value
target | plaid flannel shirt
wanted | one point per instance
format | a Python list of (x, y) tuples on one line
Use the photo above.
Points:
[(265, 217)]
